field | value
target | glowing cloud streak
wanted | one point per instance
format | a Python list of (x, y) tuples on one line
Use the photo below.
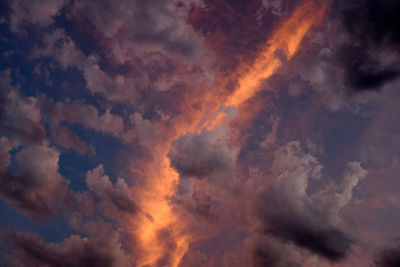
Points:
[(285, 40), (161, 220)]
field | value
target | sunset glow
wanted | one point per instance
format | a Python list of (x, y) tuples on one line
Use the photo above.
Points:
[(199, 133)]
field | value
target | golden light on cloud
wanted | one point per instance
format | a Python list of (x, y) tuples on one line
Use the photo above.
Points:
[(161, 233), (285, 40)]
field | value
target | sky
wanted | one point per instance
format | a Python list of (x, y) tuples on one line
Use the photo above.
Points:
[(204, 133)]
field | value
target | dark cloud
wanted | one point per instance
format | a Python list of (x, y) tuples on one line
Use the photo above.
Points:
[(364, 72), (308, 228), (201, 157), (388, 257), (289, 214), (378, 21), (25, 249), (373, 28)]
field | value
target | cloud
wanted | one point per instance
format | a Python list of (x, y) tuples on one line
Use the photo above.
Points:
[(352, 175), (276, 7), (112, 198), (272, 252), (370, 53), (388, 257), (61, 48), (35, 12), (22, 117), (202, 157), (119, 88), (35, 188), (25, 249), (136, 27), (58, 45), (63, 136), (145, 59), (290, 215), (84, 114)]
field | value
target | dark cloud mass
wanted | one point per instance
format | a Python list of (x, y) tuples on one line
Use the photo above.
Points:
[(289, 214), (388, 257), (313, 232), (373, 28)]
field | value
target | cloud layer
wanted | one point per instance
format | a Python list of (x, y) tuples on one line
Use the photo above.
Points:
[(199, 133)]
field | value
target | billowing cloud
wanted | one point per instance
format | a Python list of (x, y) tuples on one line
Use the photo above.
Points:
[(35, 188), (28, 250), (112, 198), (202, 157), (136, 27), (22, 117), (289, 214), (33, 12)]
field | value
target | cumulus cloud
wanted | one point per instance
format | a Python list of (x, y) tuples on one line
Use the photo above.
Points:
[(112, 198), (202, 157), (61, 48), (63, 136), (34, 12), (26, 249), (36, 188), (84, 114), (137, 27), (205, 164), (22, 117), (289, 214)]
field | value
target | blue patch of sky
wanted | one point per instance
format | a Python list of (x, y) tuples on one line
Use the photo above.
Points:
[(54, 229), (109, 152)]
